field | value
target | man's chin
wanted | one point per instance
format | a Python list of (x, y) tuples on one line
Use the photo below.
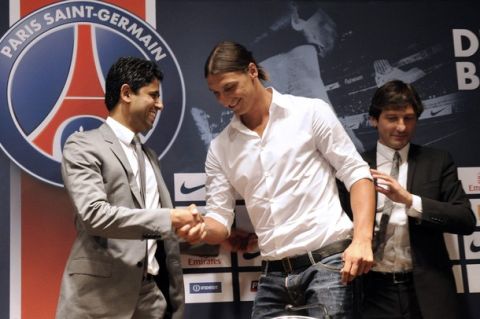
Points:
[(399, 146), (147, 128)]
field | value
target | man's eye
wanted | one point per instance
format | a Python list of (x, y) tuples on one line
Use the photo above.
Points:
[(229, 88)]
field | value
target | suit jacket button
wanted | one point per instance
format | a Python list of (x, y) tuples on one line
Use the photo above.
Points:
[(139, 264)]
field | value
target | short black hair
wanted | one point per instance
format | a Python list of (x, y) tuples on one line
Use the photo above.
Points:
[(135, 72), (395, 94)]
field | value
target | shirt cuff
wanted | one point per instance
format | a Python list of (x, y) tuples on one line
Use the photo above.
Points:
[(365, 174), (416, 209)]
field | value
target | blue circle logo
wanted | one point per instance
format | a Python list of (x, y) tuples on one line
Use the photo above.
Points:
[(53, 65)]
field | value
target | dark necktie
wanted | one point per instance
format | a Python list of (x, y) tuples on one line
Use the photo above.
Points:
[(141, 164), (387, 211)]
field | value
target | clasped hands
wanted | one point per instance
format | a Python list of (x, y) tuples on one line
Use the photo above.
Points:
[(189, 223)]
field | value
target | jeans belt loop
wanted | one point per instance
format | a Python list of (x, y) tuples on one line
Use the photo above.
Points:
[(287, 265)]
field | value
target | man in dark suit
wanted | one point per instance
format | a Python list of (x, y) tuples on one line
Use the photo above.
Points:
[(122, 210), (412, 276)]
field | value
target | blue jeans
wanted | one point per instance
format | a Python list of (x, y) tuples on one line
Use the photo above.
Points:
[(318, 286)]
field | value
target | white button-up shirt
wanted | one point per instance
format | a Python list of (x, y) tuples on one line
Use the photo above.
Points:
[(397, 254), (152, 197), (286, 177)]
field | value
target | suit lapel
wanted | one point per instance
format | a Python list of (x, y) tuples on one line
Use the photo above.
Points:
[(116, 148), (412, 163), (371, 158)]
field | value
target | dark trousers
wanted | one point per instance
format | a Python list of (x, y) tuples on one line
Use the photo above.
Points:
[(387, 297)]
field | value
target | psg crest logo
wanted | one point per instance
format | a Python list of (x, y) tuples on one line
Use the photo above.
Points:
[(53, 65)]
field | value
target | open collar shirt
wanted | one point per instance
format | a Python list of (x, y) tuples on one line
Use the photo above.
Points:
[(286, 177)]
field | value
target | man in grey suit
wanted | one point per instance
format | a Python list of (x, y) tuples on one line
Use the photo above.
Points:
[(125, 232)]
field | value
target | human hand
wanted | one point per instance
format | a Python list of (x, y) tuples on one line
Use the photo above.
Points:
[(390, 187), (185, 216), (358, 260), (189, 224), (241, 240)]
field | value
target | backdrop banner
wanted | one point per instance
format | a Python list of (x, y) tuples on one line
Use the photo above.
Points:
[(54, 56)]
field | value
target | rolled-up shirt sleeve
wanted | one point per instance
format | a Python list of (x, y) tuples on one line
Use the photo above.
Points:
[(220, 195), (336, 146)]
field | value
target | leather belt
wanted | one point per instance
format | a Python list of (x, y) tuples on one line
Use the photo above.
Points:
[(392, 277), (292, 264)]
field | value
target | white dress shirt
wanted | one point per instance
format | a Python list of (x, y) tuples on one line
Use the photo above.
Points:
[(286, 177), (397, 255), (152, 197)]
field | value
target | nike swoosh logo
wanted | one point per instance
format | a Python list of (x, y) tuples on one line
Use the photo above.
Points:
[(187, 190), (249, 256), (433, 113), (474, 248)]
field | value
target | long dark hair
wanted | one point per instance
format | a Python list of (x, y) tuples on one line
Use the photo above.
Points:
[(229, 56)]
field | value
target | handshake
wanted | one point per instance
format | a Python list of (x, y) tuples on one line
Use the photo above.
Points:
[(189, 223)]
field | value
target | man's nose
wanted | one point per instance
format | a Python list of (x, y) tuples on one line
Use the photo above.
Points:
[(159, 104)]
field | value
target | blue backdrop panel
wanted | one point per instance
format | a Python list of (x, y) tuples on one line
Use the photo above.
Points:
[(338, 51)]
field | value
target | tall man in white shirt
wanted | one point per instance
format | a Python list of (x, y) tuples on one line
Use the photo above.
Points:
[(116, 258), (412, 277), (281, 153)]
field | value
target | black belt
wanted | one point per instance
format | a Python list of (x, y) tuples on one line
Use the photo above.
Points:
[(392, 278), (296, 263)]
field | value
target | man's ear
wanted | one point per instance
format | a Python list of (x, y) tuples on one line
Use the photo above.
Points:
[(125, 92), (252, 70), (373, 121)]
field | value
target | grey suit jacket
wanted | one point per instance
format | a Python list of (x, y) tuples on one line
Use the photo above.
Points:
[(432, 175), (104, 271)]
